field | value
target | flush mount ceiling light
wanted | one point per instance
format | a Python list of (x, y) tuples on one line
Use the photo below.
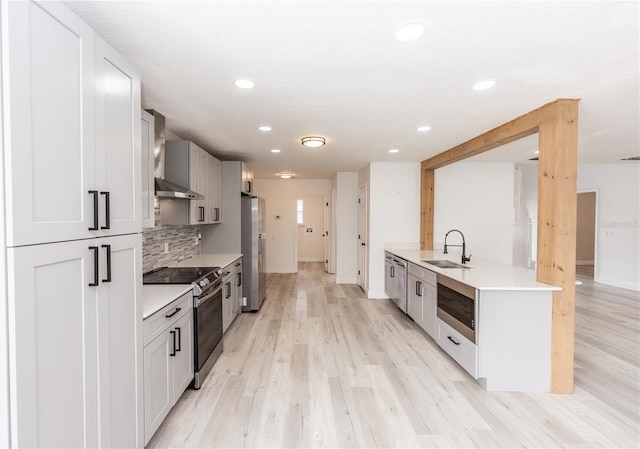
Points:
[(264, 128), (394, 150), (313, 141), (409, 32), (245, 84), (484, 85), (275, 150), (285, 175), (424, 129)]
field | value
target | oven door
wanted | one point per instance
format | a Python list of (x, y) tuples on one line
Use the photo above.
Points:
[(456, 307), (208, 324)]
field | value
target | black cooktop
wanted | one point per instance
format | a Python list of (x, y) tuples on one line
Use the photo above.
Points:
[(174, 275)]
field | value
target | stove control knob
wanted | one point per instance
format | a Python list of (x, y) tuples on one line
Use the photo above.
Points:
[(202, 283)]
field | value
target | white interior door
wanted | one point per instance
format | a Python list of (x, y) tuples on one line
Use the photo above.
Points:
[(363, 237)]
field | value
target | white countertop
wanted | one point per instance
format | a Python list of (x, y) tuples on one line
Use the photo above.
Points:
[(480, 274), (208, 260), (155, 297)]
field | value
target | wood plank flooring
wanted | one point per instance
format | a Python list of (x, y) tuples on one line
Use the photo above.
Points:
[(322, 366)]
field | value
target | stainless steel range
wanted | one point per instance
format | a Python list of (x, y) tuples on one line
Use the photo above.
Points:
[(207, 311)]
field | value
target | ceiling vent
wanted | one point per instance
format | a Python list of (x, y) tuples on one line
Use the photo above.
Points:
[(633, 158)]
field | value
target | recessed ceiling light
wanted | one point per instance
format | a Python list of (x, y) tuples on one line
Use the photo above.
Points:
[(394, 150), (285, 175), (245, 84), (409, 32), (313, 141), (264, 128), (484, 85), (424, 129), (275, 150)]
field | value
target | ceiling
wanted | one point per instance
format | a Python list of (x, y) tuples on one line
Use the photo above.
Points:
[(333, 68)]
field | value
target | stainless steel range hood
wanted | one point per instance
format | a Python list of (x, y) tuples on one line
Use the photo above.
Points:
[(164, 188)]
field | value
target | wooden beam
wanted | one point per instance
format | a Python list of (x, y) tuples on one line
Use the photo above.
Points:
[(557, 124), (516, 129), (556, 260), (426, 208)]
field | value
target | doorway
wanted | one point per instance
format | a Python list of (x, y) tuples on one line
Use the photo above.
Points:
[(586, 225), (363, 237), (311, 228)]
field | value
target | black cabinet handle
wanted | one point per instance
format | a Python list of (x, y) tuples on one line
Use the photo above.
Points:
[(173, 353), (393, 271), (95, 210), (178, 309), (237, 264), (179, 340), (107, 210), (216, 211), (453, 341), (228, 284), (96, 261), (249, 186), (239, 279), (418, 288), (108, 247), (201, 213)]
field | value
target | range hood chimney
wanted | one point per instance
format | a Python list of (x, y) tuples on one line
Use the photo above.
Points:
[(164, 188)]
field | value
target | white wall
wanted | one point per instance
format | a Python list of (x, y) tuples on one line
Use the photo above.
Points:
[(618, 217), (280, 196), (394, 213), (346, 228), (477, 199), (311, 244)]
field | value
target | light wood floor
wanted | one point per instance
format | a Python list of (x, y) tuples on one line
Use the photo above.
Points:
[(322, 366)]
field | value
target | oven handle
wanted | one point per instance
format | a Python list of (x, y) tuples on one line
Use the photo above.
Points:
[(198, 301)]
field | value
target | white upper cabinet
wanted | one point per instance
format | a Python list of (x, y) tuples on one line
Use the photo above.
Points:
[(73, 129), (214, 190), (48, 70), (117, 142), (147, 136)]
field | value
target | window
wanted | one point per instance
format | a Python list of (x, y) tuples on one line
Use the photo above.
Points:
[(299, 210)]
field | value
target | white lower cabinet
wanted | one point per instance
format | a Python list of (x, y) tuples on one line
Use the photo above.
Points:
[(75, 334), (168, 360), (231, 293), (422, 297), (458, 347)]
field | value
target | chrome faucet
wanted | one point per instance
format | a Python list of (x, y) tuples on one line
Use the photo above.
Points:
[(465, 259)]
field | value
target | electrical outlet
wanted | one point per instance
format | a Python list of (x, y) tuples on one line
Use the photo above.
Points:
[(166, 247)]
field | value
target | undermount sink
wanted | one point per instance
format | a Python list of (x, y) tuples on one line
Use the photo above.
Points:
[(444, 264)]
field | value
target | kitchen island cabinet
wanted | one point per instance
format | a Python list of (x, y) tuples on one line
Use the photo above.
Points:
[(511, 322)]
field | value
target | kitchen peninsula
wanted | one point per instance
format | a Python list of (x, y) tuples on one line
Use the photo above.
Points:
[(508, 343)]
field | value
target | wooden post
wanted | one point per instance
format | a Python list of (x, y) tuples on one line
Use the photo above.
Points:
[(557, 125), (556, 261), (426, 212)]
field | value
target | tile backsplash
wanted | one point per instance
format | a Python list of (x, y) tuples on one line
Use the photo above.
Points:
[(183, 243)]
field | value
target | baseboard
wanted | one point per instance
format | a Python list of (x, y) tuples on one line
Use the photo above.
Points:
[(377, 295), (584, 262), (309, 259), (618, 283), (353, 280)]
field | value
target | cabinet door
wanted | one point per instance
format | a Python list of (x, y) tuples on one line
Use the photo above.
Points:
[(52, 341), (227, 306), (158, 383), (183, 360), (430, 304), (214, 184), (48, 62), (195, 206), (415, 297), (120, 341), (147, 139), (117, 142)]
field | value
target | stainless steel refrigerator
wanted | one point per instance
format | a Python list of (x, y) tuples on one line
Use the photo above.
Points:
[(253, 252)]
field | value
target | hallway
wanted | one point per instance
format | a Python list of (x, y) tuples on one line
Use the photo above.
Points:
[(322, 366)]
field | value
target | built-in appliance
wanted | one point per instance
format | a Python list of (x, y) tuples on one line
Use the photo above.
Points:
[(457, 306), (207, 311), (396, 280), (253, 252)]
